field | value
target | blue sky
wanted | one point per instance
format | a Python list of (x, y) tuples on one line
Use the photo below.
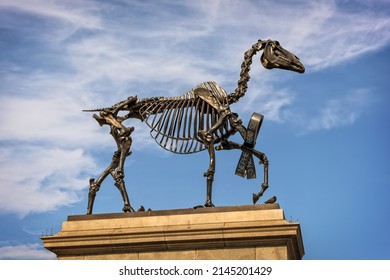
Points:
[(325, 132)]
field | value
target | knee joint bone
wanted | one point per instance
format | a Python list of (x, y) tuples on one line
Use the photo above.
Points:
[(93, 186)]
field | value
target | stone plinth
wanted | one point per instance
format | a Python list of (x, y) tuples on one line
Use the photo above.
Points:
[(250, 232)]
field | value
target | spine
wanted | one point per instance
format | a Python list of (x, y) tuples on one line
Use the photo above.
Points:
[(244, 74)]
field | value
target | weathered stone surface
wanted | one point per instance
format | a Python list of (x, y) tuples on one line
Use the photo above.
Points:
[(239, 232)]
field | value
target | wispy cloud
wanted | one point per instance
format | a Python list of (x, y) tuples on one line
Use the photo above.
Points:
[(67, 56), (338, 112), (25, 252), (75, 13), (39, 179)]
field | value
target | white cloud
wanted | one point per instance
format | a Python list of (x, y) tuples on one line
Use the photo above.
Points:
[(73, 12), (37, 179), (51, 120), (339, 112), (330, 35), (266, 99), (26, 252)]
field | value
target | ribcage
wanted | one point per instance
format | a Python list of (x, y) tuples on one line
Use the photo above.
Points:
[(175, 122)]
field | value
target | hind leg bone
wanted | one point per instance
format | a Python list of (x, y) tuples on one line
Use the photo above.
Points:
[(124, 143), (94, 186)]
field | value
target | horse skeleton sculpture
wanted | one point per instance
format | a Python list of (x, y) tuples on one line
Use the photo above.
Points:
[(195, 121)]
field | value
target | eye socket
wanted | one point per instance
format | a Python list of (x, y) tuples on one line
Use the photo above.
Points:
[(277, 43)]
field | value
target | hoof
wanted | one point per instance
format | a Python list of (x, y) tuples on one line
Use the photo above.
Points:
[(209, 204), (128, 208), (255, 198)]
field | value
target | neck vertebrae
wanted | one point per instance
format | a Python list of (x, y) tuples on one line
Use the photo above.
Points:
[(244, 75)]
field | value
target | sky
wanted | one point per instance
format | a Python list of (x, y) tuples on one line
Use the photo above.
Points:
[(325, 132)]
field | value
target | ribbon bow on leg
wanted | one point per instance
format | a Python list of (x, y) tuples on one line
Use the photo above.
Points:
[(246, 167)]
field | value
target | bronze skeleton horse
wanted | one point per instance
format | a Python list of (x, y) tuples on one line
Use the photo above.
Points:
[(195, 121)]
